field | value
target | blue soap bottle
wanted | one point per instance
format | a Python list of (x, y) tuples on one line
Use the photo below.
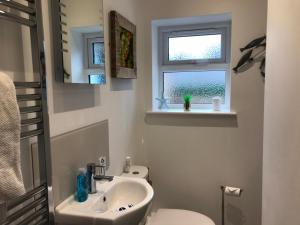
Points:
[(81, 187)]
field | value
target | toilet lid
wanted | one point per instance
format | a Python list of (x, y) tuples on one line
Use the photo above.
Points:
[(179, 217)]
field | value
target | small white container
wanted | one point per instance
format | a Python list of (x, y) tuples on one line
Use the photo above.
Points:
[(127, 164), (217, 101)]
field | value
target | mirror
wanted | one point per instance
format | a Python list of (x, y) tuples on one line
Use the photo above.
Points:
[(78, 40)]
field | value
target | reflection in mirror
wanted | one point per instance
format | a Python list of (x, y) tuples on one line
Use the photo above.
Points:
[(82, 55)]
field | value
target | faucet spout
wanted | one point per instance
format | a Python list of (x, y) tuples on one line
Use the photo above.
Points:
[(103, 177)]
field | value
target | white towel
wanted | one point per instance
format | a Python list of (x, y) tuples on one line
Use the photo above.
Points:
[(11, 181)]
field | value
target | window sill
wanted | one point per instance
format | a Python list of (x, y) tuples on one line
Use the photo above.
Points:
[(192, 112)]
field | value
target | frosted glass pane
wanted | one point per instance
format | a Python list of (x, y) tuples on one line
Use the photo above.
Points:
[(98, 53), (203, 86), (97, 79), (195, 47)]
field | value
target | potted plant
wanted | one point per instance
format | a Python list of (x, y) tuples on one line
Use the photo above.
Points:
[(187, 102)]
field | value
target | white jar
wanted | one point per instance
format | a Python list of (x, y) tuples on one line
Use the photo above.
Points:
[(217, 101)]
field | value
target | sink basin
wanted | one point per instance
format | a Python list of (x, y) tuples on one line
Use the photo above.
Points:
[(123, 201)]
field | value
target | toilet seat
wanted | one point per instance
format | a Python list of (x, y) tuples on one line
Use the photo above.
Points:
[(178, 217)]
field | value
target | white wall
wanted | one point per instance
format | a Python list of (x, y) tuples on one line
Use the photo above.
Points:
[(281, 170), (75, 106), (190, 157)]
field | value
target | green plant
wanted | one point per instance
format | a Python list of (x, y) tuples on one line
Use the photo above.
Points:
[(187, 99)]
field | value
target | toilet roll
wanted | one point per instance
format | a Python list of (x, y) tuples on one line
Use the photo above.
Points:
[(233, 191)]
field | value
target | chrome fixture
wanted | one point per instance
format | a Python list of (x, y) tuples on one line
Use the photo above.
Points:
[(35, 206), (91, 170)]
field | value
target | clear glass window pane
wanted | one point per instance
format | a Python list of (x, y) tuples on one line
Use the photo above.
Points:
[(98, 53), (195, 47), (203, 86)]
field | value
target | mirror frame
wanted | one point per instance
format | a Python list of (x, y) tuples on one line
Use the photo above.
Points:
[(57, 41)]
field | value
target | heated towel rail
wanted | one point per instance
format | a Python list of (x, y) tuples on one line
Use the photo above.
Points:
[(33, 208)]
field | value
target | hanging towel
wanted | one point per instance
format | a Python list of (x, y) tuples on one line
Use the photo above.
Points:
[(11, 181)]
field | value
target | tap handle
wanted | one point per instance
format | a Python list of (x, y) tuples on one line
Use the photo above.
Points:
[(91, 167), (102, 170), (102, 163)]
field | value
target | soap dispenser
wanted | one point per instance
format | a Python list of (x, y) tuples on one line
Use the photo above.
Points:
[(81, 187)]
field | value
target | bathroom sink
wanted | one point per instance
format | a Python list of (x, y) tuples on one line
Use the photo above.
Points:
[(122, 201)]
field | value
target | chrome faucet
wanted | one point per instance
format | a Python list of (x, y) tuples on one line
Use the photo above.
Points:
[(101, 175), (97, 172), (91, 170)]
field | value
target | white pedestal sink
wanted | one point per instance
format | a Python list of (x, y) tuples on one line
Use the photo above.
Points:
[(123, 201)]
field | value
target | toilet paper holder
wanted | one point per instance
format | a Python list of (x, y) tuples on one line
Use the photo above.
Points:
[(230, 191)]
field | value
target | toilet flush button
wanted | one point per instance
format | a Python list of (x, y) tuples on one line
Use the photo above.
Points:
[(135, 172)]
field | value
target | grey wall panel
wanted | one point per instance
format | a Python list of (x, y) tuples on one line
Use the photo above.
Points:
[(73, 150)]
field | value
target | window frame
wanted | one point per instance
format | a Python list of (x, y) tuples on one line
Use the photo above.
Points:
[(190, 33), (91, 41), (222, 64)]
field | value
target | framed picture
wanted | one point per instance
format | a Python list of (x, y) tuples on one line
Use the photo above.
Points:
[(122, 47)]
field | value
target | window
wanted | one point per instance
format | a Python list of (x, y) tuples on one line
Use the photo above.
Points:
[(194, 60), (202, 85), (97, 79), (95, 51), (198, 47)]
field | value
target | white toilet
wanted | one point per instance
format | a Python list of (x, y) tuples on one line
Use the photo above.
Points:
[(169, 216)]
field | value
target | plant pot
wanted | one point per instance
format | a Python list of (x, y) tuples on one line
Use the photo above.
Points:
[(187, 106)]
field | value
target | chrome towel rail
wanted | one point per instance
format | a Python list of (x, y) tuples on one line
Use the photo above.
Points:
[(32, 133), (33, 218), (31, 21), (31, 1), (42, 189), (41, 201), (38, 207), (18, 6), (32, 121), (20, 85), (34, 207), (42, 221), (41, 212), (30, 109), (14, 18), (28, 97)]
